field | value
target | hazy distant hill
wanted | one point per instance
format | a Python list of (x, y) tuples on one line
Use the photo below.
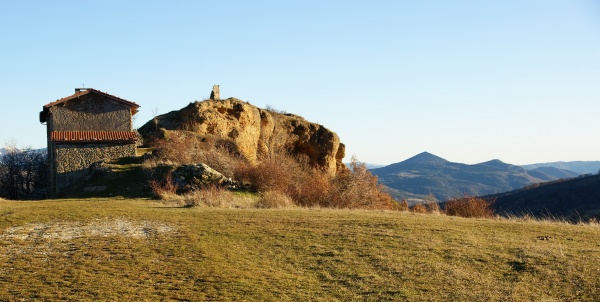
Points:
[(427, 173), (556, 172), (3, 150), (581, 167), (369, 166), (570, 198)]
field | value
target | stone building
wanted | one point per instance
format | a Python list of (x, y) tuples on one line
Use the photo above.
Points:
[(84, 128)]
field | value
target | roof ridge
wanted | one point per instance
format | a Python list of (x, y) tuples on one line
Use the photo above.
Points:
[(87, 91)]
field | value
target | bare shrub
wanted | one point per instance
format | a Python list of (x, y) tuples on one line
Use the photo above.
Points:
[(313, 190), (419, 208), (165, 188), (277, 172), (22, 171), (212, 196), (221, 158), (433, 207), (275, 110), (358, 189), (403, 205), (469, 206), (275, 200), (432, 204), (177, 147), (185, 147)]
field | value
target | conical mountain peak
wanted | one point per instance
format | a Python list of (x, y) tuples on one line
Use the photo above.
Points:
[(425, 157)]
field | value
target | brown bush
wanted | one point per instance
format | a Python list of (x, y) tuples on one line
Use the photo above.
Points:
[(277, 172), (183, 147), (358, 189), (469, 206), (313, 190), (403, 205), (176, 147), (165, 188), (419, 208), (432, 204)]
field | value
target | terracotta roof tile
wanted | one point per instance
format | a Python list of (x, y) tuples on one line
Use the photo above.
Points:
[(133, 105), (93, 136)]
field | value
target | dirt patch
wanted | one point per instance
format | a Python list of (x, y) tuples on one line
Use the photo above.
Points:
[(97, 228)]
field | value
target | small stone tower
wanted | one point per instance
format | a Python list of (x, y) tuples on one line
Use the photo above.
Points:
[(215, 94)]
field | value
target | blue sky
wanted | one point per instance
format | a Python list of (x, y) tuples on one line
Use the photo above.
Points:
[(469, 81)]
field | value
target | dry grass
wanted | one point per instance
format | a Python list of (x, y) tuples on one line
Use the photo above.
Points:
[(275, 200), (217, 197), (132, 250), (64, 231), (529, 218)]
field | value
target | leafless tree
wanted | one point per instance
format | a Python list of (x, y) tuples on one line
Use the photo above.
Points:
[(22, 171)]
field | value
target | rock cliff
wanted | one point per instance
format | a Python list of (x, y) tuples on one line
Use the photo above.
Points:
[(254, 132)]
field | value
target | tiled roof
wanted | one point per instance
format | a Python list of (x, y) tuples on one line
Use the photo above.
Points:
[(94, 136), (85, 91)]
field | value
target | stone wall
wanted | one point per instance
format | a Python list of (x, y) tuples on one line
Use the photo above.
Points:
[(71, 162), (90, 113)]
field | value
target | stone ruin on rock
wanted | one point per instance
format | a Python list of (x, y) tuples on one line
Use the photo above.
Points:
[(215, 94)]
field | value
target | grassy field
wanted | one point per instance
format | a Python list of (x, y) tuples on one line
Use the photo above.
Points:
[(138, 249)]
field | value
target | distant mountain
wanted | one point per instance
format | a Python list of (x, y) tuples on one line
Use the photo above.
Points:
[(427, 173), (556, 172), (4, 150), (581, 167), (368, 165), (373, 166), (573, 199)]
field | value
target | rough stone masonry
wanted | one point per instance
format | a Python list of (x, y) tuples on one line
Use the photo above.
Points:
[(215, 94)]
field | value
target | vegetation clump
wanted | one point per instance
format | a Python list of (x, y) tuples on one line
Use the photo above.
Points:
[(469, 206), (281, 178), (22, 171)]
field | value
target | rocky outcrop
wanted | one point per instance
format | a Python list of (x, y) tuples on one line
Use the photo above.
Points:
[(194, 177), (254, 132)]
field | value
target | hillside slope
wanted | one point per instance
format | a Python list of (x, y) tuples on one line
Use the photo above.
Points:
[(579, 167), (427, 173), (555, 172), (577, 198)]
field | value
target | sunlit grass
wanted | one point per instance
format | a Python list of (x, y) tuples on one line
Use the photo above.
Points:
[(294, 254)]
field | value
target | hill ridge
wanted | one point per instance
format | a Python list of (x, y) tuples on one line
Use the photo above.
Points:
[(427, 173), (425, 157)]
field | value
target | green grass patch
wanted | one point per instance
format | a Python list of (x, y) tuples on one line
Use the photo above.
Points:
[(138, 249)]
